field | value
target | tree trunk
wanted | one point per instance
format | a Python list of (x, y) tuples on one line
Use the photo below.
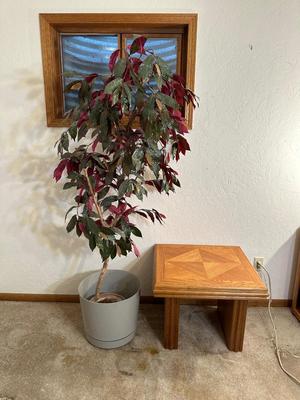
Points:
[(101, 277)]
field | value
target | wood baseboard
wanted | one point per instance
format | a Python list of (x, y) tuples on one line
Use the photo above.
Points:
[(34, 297), (74, 298), (251, 303)]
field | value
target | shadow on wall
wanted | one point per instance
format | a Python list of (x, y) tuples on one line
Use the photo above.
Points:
[(286, 256), (42, 203), (296, 259), (142, 267)]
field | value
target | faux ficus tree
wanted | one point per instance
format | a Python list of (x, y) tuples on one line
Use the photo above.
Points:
[(125, 133)]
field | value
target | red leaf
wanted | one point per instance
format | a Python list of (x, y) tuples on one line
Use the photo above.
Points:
[(136, 250), (178, 78), (136, 63), (59, 170), (126, 75), (71, 166), (113, 59), (95, 94), (129, 211), (176, 114), (113, 209), (90, 204), (166, 89), (137, 45), (118, 210), (179, 93), (94, 145), (81, 226), (182, 128), (109, 219), (83, 117), (91, 77), (102, 96)]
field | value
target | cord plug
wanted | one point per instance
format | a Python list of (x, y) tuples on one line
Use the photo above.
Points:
[(258, 263)]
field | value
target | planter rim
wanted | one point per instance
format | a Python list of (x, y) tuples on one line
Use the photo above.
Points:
[(83, 298)]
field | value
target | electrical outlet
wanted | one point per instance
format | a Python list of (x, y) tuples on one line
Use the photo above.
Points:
[(257, 261)]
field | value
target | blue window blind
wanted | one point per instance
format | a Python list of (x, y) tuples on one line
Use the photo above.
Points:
[(166, 48), (84, 55), (87, 54)]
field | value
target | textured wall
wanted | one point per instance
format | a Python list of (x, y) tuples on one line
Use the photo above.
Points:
[(240, 183)]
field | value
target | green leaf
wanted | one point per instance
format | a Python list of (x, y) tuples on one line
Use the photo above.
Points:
[(85, 90), (164, 68), (70, 85), (127, 164), (124, 245), (113, 85), (123, 188), (149, 111), (159, 81), (105, 249), (72, 223), (140, 191), (167, 100), (113, 251), (95, 113), (103, 124), (138, 157), (108, 232), (116, 95), (73, 131), (103, 192), (136, 231), (92, 226), (68, 185), (65, 141), (128, 94), (75, 175), (139, 98), (120, 68), (82, 131), (119, 232), (108, 200), (92, 242), (149, 158), (70, 209), (146, 68)]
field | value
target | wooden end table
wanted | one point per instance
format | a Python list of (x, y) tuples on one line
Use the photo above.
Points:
[(206, 272)]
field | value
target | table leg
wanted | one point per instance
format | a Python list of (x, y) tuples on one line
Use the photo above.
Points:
[(171, 323), (233, 319)]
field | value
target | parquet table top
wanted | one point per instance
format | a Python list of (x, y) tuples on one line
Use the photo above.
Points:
[(205, 272)]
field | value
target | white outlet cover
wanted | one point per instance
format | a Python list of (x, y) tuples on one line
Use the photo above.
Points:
[(259, 260)]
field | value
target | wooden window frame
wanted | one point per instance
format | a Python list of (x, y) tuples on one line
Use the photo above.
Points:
[(52, 25)]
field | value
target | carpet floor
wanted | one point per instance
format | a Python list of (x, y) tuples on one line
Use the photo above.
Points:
[(44, 356)]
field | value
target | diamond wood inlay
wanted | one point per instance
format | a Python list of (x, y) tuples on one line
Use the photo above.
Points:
[(199, 271)]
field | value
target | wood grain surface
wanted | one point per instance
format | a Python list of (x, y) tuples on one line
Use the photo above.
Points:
[(205, 271)]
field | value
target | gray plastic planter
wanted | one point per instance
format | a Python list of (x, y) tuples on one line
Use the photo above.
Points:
[(110, 325)]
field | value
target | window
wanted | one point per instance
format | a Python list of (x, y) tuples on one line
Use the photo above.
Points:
[(82, 43), (84, 54)]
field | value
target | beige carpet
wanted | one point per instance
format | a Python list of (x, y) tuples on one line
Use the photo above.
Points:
[(44, 356)]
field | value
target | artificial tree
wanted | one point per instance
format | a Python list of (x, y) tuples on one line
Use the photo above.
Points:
[(129, 131)]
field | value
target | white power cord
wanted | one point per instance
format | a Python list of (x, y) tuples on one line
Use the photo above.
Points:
[(277, 348)]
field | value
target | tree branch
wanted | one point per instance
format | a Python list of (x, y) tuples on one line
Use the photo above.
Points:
[(100, 214)]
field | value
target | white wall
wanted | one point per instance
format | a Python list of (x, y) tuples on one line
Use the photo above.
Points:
[(240, 183)]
